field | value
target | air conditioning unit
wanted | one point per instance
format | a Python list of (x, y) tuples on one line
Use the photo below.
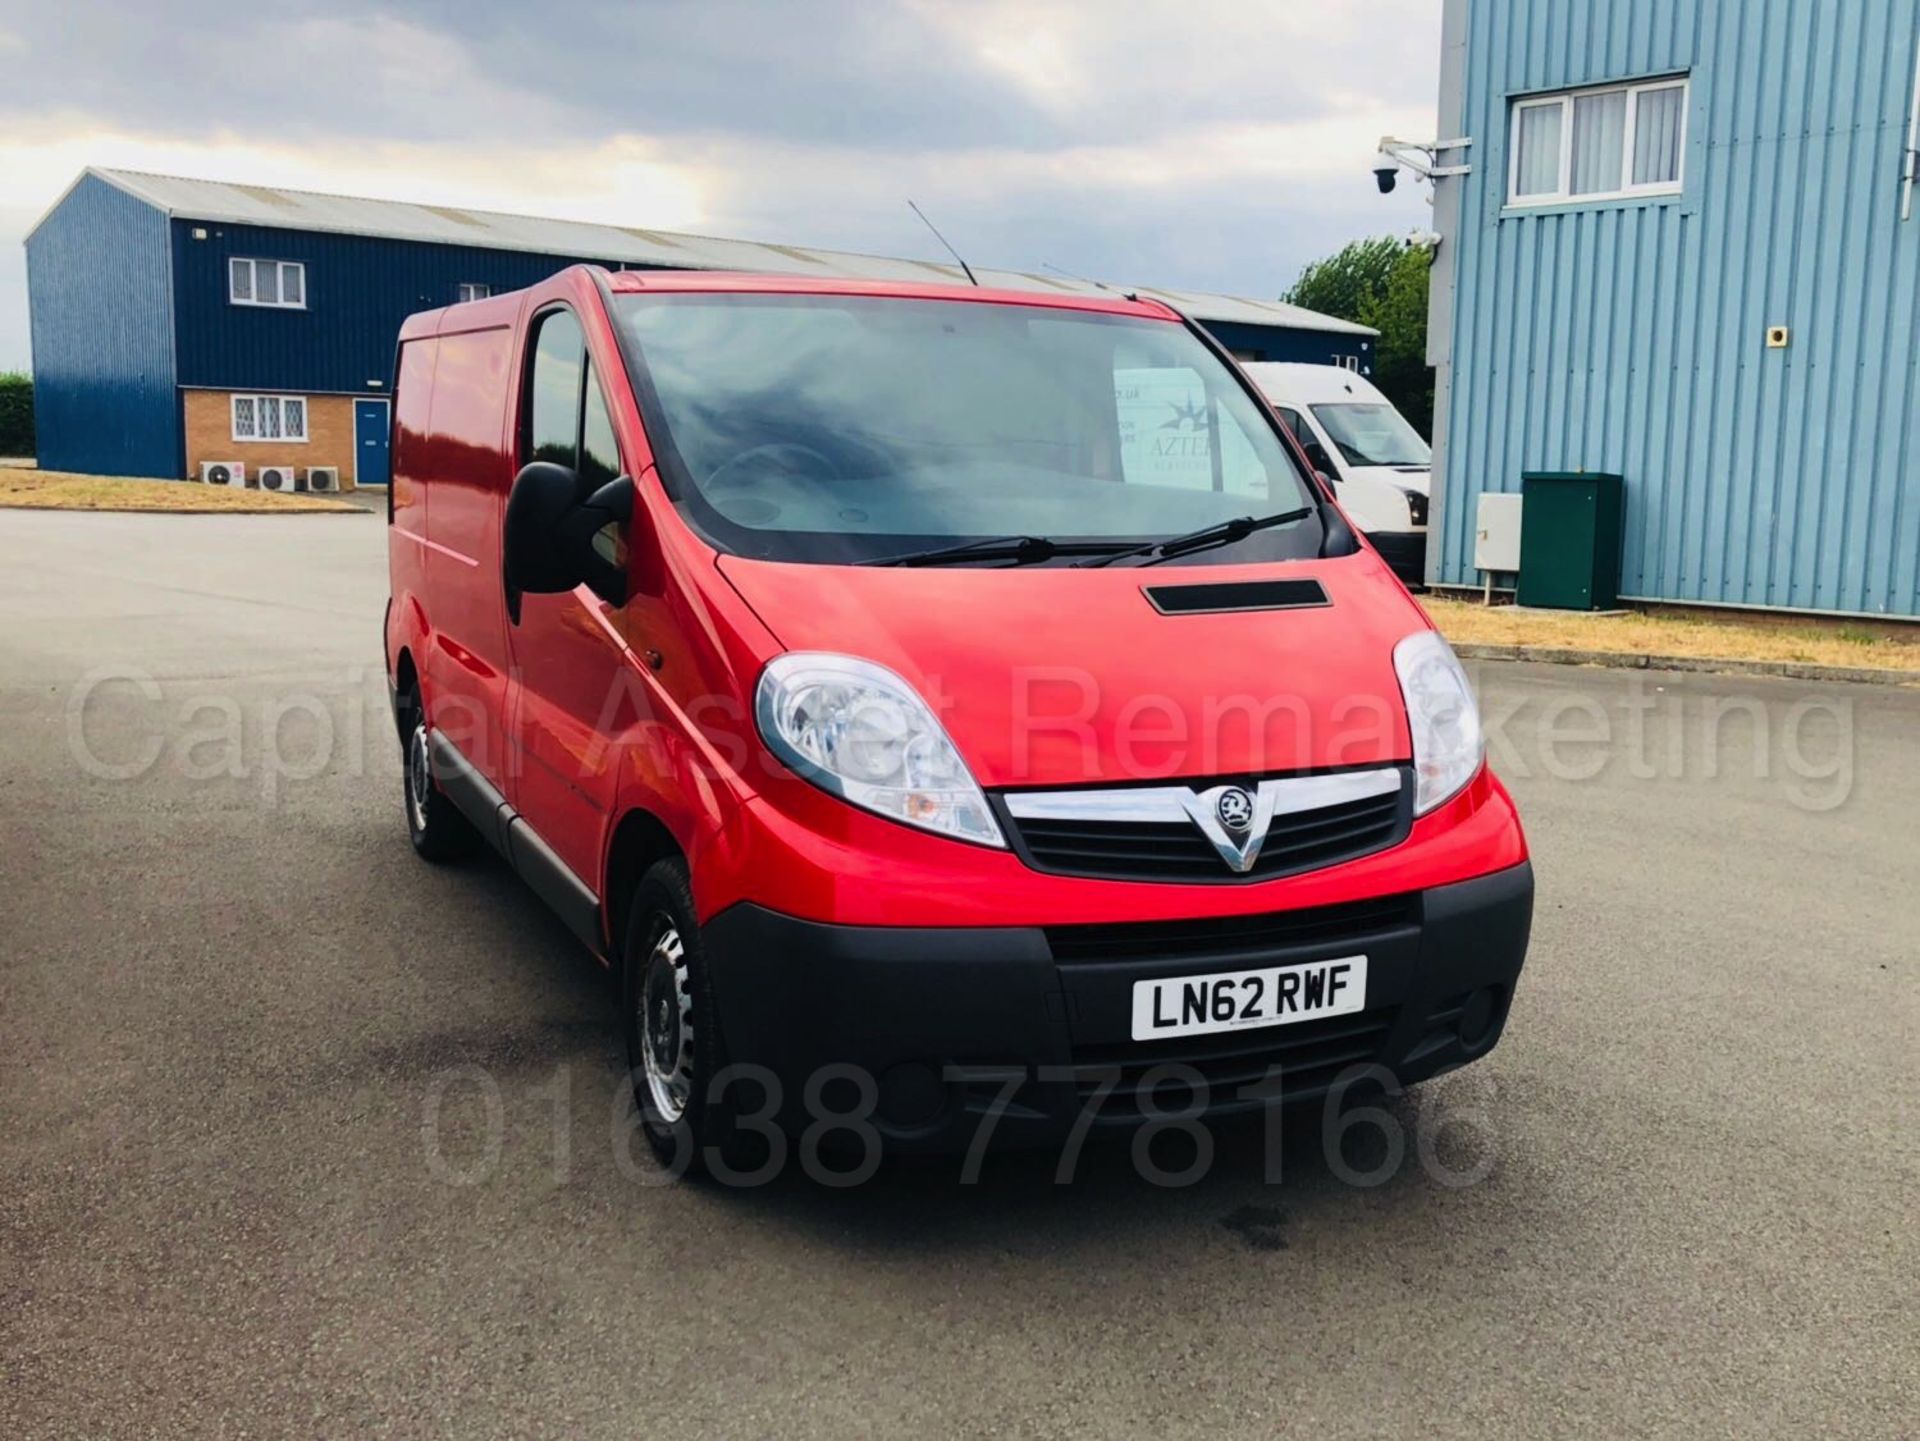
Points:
[(223, 472), (323, 477), (279, 477)]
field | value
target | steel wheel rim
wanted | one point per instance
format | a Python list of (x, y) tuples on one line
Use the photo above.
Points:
[(419, 777), (664, 1014)]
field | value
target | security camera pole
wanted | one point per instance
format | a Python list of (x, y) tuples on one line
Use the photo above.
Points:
[(1418, 157), (1421, 159)]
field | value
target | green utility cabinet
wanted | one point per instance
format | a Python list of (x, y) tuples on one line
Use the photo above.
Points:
[(1570, 528)]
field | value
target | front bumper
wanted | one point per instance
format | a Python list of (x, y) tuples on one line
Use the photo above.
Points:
[(1033, 1023)]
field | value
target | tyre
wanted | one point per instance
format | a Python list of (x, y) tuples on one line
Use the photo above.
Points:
[(674, 1048), (434, 824)]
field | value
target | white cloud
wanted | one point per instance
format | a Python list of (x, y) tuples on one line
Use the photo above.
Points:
[(426, 83), (1139, 66)]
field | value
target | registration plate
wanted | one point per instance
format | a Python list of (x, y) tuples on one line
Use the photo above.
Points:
[(1239, 1000)]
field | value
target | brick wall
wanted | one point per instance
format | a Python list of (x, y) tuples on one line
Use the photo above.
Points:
[(330, 440)]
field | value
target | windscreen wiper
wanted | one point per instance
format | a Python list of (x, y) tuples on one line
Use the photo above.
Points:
[(1223, 533), (1020, 549)]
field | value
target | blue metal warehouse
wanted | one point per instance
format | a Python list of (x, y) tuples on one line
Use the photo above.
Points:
[(183, 322), (1687, 251)]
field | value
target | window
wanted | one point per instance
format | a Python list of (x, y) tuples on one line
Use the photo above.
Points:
[(279, 283), (830, 429), (599, 455), (553, 391), (1174, 434), (472, 290), (1371, 433), (1607, 143), (1348, 362), (1309, 442), (559, 426), (566, 419), (270, 417)]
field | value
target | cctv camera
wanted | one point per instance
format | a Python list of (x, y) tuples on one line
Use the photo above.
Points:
[(1384, 175)]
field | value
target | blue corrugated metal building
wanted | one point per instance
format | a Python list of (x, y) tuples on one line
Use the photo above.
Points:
[(178, 323), (1687, 250), (105, 396)]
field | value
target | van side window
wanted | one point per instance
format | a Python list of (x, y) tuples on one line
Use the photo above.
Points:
[(1302, 432), (553, 391), (599, 455)]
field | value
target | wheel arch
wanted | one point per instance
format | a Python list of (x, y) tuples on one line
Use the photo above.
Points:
[(641, 840), (406, 682)]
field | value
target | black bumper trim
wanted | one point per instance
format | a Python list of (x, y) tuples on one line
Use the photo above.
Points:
[(974, 1006), (507, 831)]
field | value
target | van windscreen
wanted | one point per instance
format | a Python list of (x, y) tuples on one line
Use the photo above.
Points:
[(1372, 434), (846, 428)]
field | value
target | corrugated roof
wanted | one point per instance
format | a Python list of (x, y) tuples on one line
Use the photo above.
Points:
[(224, 203)]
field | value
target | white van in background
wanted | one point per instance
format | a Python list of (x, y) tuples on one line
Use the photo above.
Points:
[(1379, 465)]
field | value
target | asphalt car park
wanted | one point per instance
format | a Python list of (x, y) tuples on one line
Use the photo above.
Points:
[(303, 1135)]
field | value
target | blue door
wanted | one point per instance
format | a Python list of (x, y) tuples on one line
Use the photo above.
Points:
[(370, 442)]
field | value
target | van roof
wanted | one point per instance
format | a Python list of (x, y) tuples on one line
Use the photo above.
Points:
[(501, 308), (1287, 383), (742, 282)]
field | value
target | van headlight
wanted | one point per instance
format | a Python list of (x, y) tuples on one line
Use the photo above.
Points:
[(1448, 744), (858, 730)]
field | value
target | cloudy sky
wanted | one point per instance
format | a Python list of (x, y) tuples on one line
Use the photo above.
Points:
[(1211, 144)]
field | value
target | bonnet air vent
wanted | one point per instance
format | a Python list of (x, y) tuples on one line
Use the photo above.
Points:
[(1236, 595)]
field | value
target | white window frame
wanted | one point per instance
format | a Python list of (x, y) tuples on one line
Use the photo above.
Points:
[(279, 407), (1626, 190), (471, 290), (281, 267)]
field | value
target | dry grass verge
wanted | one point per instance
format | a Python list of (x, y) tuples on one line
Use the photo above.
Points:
[(1831, 643), (57, 490)]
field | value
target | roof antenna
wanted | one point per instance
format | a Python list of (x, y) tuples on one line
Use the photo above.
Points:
[(943, 240)]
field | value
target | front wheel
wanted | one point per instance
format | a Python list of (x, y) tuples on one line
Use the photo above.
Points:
[(434, 824), (673, 1040)]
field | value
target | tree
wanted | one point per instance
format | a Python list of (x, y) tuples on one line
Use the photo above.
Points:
[(16, 413), (1399, 313), (1382, 283), (1345, 283)]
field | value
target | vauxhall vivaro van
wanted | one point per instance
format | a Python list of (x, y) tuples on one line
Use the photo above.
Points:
[(950, 706)]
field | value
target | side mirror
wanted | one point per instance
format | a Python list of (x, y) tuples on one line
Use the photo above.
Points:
[(1338, 538), (1327, 480), (553, 541), (594, 538)]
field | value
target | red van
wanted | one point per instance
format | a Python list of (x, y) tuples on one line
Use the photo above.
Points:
[(949, 706)]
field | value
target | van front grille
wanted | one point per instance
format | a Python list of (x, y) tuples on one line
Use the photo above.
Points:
[(1175, 849), (1250, 938)]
